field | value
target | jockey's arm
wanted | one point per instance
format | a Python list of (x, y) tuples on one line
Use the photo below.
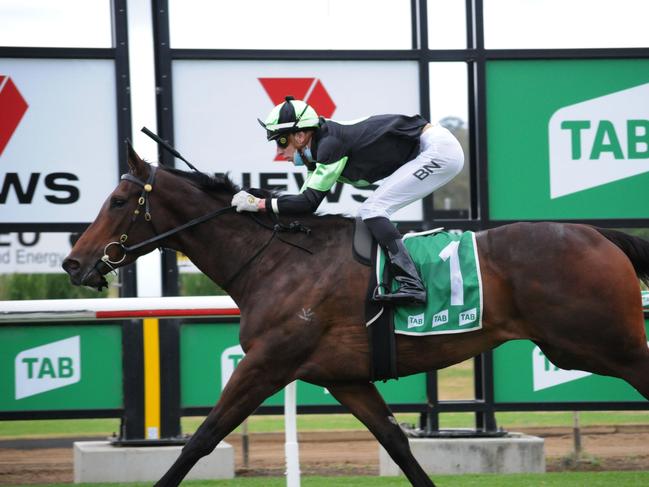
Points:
[(305, 202), (314, 190)]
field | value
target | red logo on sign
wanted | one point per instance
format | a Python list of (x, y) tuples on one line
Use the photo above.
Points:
[(311, 90), (12, 107)]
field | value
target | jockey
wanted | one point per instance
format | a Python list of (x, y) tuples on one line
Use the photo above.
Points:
[(410, 155)]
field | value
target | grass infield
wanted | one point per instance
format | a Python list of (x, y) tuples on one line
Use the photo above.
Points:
[(570, 479)]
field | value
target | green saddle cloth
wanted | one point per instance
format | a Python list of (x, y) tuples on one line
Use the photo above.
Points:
[(448, 264)]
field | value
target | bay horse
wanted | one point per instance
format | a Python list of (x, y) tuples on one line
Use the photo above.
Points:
[(572, 289)]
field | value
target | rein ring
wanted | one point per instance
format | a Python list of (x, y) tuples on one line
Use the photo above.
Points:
[(106, 258)]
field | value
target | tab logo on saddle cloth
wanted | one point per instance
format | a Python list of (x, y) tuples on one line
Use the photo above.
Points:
[(448, 264), (599, 141), (416, 320)]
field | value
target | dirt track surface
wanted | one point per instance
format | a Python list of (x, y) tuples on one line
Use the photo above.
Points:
[(338, 453)]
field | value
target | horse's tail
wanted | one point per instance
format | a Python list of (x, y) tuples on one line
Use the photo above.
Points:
[(635, 248)]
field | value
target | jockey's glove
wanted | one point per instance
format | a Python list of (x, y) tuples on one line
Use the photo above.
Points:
[(245, 202)]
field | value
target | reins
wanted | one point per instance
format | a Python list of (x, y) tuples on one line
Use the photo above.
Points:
[(277, 228), (176, 230)]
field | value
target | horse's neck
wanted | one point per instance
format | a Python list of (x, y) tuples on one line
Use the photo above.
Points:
[(227, 247), (219, 247)]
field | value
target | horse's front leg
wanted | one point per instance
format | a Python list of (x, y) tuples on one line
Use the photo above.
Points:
[(365, 402), (251, 383)]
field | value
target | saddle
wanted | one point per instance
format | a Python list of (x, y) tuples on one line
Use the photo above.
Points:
[(362, 243)]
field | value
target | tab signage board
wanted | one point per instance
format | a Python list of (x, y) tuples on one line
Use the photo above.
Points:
[(568, 139), (58, 139), (60, 367), (217, 103)]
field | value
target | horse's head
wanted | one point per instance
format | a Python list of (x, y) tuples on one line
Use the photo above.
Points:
[(124, 219)]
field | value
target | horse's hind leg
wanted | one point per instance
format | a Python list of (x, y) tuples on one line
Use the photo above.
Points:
[(624, 355), (638, 375), (251, 383), (365, 402)]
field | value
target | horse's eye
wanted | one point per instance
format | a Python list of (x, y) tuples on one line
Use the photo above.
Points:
[(117, 203)]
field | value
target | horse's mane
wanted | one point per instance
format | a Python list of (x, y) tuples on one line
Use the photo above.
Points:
[(216, 182), (219, 182)]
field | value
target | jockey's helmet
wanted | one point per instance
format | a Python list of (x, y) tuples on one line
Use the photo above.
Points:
[(289, 116)]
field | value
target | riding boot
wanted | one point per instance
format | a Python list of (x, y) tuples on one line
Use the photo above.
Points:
[(411, 289)]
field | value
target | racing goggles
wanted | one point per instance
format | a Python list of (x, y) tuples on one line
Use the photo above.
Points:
[(282, 141)]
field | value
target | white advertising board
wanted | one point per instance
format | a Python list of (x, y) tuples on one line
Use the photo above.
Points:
[(217, 103), (33, 252), (58, 150)]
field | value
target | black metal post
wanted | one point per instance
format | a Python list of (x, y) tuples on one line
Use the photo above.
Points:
[(169, 332), (132, 421), (421, 45), (431, 419), (127, 275), (487, 418)]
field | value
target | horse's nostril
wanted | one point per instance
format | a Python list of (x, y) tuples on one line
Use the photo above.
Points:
[(71, 266)]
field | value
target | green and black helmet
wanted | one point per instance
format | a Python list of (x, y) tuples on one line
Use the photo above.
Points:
[(289, 116)]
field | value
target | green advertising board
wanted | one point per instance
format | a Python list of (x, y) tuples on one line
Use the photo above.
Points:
[(568, 139), (60, 367), (523, 374), (210, 352)]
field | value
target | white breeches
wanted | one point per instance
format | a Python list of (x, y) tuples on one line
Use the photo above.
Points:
[(440, 159)]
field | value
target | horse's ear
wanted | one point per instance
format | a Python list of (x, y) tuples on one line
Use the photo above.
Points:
[(135, 163)]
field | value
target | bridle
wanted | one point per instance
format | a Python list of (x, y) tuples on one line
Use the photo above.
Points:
[(143, 204), (143, 201)]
